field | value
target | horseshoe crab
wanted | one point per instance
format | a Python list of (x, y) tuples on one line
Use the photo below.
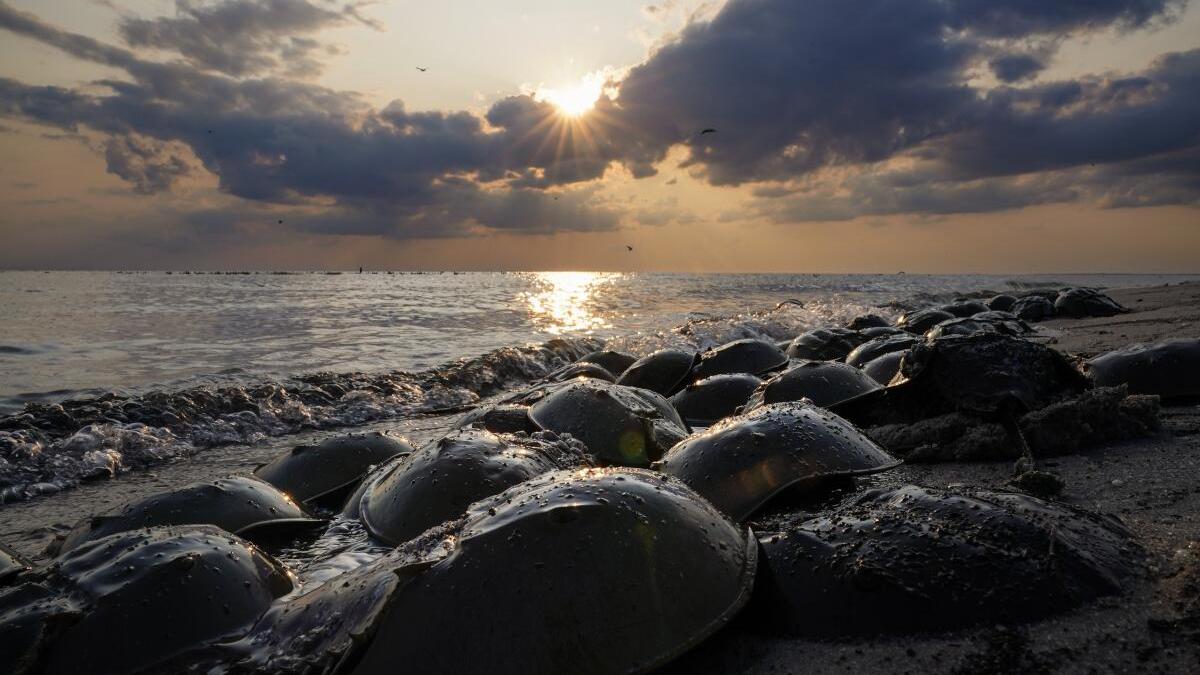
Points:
[(439, 481), (921, 320), (1170, 369), (867, 321), (740, 356), (915, 559), (242, 505), (500, 418), (825, 344), (883, 369), (323, 474), (964, 308), (135, 601), (631, 564), (1002, 303), (714, 398), (742, 462), (581, 369), (624, 426), (611, 361), (869, 351), (979, 324), (1081, 303), (663, 372), (882, 331), (11, 564), (825, 383), (1033, 308)]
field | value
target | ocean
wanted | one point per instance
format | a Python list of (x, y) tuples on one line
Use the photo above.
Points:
[(103, 372)]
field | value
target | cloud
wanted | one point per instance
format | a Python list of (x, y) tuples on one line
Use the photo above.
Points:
[(244, 37), (151, 166)]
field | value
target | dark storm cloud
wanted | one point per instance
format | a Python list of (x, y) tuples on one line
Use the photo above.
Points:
[(243, 37), (832, 109)]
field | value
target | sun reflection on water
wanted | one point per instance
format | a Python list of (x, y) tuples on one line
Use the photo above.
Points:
[(566, 302)]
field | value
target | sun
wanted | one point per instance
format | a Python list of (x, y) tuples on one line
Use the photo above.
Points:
[(576, 99)]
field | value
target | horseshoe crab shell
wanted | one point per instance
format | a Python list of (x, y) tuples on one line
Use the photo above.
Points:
[(597, 572), (1170, 369), (742, 462), (713, 398), (623, 426), (326, 472), (883, 369), (979, 324), (1033, 308), (867, 321), (581, 369), (241, 505), (11, 564), (663, 372), (825, 344), (611, 361), (1002, 303), (439, 481), (869, 351), (922, 320), (825, 383), (916, 559), (134, 601), (964, 308), (1081, 303), (740, 356)]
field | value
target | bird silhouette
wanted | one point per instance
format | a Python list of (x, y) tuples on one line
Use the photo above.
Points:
[(281, 221), (628, 247), (708, 131), (422, 69)]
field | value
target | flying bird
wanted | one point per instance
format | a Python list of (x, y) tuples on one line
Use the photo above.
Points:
[(628, 247), (280, 221), (707, 131), (422, 69)]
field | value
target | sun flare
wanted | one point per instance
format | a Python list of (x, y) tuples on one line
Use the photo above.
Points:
[(576, 99)]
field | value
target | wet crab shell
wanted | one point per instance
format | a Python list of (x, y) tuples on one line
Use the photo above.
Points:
[(867, 321), (883, 369), (1170, 369), (825, 344), (241, 505), (740, 356), (663, 372), (623, 426), (1080, 303), (742, 462), (602, 572), (823, 383), (611, 361), (1003, 303), (980, 323), (964, 308), (714, 398), (869, 351), (581, 369), (438, 482), (1033, 308), (133, 601), (922, 320), (915, 559), (326, 472), (500, 418)]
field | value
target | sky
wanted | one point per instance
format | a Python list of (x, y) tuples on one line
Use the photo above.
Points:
[(992, 136)]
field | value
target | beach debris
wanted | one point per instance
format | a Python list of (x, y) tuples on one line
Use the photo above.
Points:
[(825, 344), (11, 564), (136, 601), (920, 320), (1041, 484), (714, 398), (1080, 303), (325, 473), (825, 383), (742, 462), (612, 361), (438, 482), (1169, 369), (748, 355), (241, 505), (604, 571), (916, 559), (623, 426), (663, 372)]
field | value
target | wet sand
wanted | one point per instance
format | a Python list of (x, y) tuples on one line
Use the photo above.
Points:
[(1153, 485)]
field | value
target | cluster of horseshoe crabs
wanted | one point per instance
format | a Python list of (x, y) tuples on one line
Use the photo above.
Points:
[(617, 514)]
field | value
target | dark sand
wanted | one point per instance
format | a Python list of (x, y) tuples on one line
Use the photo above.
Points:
[(1153, 485)]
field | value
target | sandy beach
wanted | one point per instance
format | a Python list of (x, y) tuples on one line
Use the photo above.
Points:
[(1152, 485)]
